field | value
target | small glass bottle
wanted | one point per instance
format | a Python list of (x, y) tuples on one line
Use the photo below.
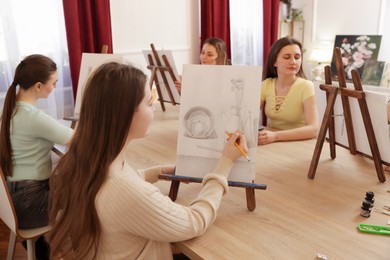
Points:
[(366, 209), (367, 204)]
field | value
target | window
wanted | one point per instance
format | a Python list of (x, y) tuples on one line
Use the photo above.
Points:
[(29, 27), (246, 32)]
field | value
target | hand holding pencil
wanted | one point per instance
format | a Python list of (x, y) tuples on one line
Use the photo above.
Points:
[(236, 146)]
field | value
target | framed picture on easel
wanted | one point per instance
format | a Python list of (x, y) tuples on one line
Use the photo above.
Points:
[(164, 74), (355, 51)]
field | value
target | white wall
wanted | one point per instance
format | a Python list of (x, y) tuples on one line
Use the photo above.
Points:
[(169, 24), (174, 25), (324, 19)]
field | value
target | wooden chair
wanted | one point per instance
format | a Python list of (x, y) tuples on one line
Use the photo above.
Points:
[(8, 216)]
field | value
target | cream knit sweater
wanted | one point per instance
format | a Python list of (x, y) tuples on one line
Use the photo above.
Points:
[(139, 222)]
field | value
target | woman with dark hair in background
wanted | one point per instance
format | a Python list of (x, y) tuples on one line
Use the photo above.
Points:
[(287, 97)]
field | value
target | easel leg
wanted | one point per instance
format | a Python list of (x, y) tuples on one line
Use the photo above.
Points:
[(250, 198), (174, 190), (331, 129), (372, 139), (154, 79), (321, 135), (161, 101), (332, 136), (158, 88), (349, 124)]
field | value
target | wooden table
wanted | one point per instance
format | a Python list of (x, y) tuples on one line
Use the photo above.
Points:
[(296, 217)]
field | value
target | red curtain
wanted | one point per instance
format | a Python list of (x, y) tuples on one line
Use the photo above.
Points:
[(270, 25), (215, 21), (270, 34), (88, 28)]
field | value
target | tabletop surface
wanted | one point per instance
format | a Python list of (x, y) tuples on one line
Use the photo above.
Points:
[(295, 217)]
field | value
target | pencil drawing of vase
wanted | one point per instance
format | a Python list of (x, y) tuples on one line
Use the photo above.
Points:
[(235, 120), (199, 123)]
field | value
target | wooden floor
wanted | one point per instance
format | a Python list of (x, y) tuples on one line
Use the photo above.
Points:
[(20, 252)]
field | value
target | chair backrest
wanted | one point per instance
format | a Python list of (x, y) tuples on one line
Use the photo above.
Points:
[(7, 210)]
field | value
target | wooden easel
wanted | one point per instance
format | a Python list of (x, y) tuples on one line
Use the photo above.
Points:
[(161, 67), (249, 187), (328, 119)]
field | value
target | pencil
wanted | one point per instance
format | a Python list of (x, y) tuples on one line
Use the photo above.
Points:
[(239, 147)]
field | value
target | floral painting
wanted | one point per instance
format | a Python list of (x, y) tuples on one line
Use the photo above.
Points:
[(355, 51)]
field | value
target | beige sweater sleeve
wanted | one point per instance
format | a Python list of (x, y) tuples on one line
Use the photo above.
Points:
[(150, 174), (129, 203)]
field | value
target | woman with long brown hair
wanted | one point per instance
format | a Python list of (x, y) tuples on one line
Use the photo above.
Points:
[(27, 136), (287, 97), (101, 207)]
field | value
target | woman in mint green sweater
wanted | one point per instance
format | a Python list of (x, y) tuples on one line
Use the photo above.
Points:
[(27, 136)]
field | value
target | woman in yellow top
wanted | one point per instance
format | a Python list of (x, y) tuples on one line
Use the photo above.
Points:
[(287, 98)]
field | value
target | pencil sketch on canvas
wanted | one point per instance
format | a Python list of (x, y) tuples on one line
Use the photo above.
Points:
[(216, 100), (166, 59)]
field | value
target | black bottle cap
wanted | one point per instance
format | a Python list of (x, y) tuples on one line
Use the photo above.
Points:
[(369, 195)]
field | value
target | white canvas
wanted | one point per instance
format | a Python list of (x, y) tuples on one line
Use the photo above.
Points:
[(377, 99), (216, 99), (171, 84), (89, 61)]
